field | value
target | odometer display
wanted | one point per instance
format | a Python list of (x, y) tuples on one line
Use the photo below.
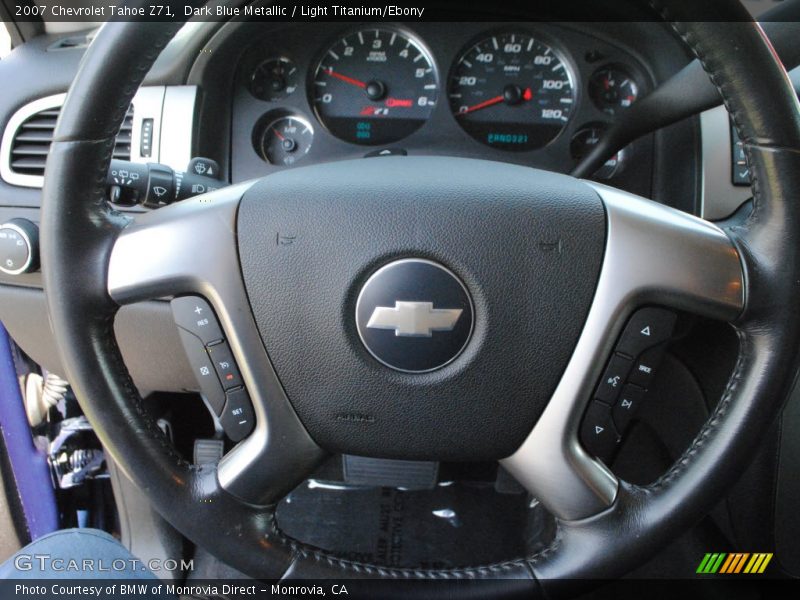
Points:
[(511, 91), (375, 86)]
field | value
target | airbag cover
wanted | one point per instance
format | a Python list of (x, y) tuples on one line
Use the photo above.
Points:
[(526, 244)]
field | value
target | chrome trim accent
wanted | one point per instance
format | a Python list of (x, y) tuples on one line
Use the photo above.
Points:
[(17, 119), (148, 103), (191, 247), (414, 319), (438, 266), (719, 198), (654, 254), (177, 125)]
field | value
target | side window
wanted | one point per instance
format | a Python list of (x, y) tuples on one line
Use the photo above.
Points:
[(5, 40)]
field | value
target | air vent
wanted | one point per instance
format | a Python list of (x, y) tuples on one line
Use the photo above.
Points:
[(32, 140)]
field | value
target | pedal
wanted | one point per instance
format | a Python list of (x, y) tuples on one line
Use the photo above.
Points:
[(380, 472), (208, 452)]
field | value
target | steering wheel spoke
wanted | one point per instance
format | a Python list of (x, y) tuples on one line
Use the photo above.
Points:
[(654, 255), (575, 289), (190, 248)]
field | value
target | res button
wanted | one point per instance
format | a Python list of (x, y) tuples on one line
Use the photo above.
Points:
[(193, 314)]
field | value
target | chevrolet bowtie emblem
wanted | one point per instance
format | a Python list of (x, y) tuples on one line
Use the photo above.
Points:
[(414, 319)]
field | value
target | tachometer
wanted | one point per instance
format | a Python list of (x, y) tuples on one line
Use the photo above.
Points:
[(511, 91), (374, 86)]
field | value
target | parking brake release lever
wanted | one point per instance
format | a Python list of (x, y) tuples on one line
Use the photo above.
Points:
[(154, 185)]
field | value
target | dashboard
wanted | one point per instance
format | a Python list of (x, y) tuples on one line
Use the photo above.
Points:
[(225, 91), (526, 93), (260, 98)]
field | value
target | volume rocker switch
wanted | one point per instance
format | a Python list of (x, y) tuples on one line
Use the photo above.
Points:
[(648, 327), (598, 434)]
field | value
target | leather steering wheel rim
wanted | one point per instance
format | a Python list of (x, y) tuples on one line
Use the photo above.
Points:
[(79, 231)]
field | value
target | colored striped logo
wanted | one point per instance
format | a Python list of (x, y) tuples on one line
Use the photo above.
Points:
[(734, 563)]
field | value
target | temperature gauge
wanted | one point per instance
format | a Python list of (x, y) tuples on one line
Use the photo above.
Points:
[(286, 140), (612, 89)]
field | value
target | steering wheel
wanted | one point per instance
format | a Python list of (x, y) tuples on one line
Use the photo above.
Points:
[(527, 279)]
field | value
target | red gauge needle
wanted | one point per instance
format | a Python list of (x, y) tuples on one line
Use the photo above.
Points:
[(346, 79), (280, 137), (484, 104), (527, 95)]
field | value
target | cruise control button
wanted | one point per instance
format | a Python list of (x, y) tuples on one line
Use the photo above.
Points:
[(598, 434), (203, 370), (224, 364), (645, 367), (614, 377), (193, 314), (627, 405), (237, 419), (648, 327)]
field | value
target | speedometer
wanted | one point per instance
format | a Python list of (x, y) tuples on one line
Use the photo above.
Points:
[(511, 91), (374, 86)]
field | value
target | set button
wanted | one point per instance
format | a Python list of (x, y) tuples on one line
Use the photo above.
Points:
[(237, 418)]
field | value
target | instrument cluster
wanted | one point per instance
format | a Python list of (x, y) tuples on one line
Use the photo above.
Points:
[(538, 94)]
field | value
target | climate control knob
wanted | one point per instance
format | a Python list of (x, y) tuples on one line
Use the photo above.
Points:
[(19, 247)]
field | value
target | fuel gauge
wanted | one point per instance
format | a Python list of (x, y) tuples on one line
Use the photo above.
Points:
[(286, 139), (613, 89)]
